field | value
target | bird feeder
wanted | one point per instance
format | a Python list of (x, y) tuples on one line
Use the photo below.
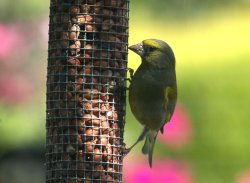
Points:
[(86, 90)]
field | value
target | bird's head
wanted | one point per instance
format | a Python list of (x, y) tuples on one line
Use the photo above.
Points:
[(155, 52)]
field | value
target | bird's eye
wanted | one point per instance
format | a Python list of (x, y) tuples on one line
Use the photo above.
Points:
[(150, 49)]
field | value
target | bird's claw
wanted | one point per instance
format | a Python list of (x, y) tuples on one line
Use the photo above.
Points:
[(131, 73)]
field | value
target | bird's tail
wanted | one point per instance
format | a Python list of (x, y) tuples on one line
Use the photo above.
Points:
[(148, 147)]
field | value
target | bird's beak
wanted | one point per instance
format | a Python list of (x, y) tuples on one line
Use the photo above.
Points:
[(137, 48)]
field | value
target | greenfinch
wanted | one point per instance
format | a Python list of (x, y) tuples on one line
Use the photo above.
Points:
[(153, 90)]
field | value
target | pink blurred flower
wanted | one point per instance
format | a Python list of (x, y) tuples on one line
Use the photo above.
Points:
[(11, 40), (178, 132), (243, 177), (163, 171), (15, 88)]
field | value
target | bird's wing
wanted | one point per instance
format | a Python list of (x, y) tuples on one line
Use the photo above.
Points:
[(168, 95)]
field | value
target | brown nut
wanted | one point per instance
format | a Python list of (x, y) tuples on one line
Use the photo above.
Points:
[(78, 87), (91, 120), (66, 157), (87, 105), (79, 140), (74, 61), (75, 48), (112, 115), (78, 44), (64, 19), (107, 12), (71, 104), (97, 7), (113, 3), (123, 23), (89, 94), (117, 54), (89, 117), (80, 112), (97, 21), (88, 180), (99, 171), (65, 36), (96, 103), (91, 132), (67, 95), (100, 63), (90, 28), (103, 140), (90, 146), (86, 57), (107, 24), (108, 37), (72, 71), (70, 149), (74, 10), (107, 73), (79, 95), (74, 32), (86, 69), (95, 111), (88, 18), (117, 74), (85, 8), (115, 151), (115, 125), (90, 1), (110, 170), (80, 19), (74, 180), (80, 163), (108, 178), (81, 126), (107, 153), (97, 154), (116, 163), (104, 97), (103, 54), (112, 136), (92, 80), (91, 103), (104, 107), (104, 127), (80, 80), (71, 135), (114, 64), (66, 113), (89, 49), (122, 12)]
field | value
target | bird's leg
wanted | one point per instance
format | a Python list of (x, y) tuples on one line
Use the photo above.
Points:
[(131, 74), (140, 138)]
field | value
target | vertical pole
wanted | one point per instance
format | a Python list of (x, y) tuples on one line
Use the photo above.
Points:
[(86, 95)]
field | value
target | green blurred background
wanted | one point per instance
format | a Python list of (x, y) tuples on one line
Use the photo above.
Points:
[(211, 42)]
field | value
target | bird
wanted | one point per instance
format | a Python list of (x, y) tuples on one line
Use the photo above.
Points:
[(152, 91)]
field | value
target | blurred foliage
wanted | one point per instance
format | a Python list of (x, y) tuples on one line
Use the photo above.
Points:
[(181, 9), (212, 52), (22, 9), (211, 43)]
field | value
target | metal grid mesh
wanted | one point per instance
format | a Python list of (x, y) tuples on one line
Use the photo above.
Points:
[(87, 64)]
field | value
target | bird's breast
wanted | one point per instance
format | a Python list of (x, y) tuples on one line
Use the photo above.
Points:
[(145, 98)]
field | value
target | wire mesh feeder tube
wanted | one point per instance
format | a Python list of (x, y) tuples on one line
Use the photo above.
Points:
[(87, 64)]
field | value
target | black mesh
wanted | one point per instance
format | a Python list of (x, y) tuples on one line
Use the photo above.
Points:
[(86, 89)]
